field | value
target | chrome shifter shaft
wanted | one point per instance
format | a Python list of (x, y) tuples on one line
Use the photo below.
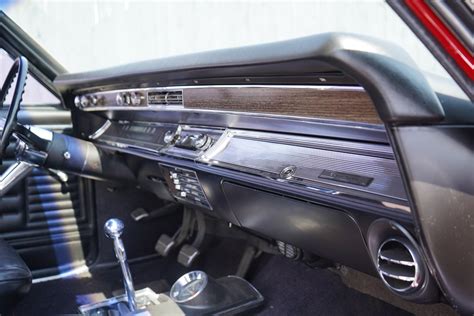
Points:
[(113, 229)]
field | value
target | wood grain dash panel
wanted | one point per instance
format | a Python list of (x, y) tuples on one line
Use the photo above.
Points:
[(347, 105)]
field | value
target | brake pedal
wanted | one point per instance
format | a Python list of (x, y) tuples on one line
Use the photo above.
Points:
[(164, 245), (187, 255)]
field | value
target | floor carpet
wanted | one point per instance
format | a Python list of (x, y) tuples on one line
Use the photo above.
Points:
[(289, 288), (292, 288)]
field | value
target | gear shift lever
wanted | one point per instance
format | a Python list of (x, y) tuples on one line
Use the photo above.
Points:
[(113, 229)]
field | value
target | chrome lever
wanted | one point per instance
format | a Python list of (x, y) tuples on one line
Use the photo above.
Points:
[(14, 174), (113, 229), (61, 176)]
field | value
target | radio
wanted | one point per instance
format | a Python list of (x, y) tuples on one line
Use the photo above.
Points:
[(137, 134)]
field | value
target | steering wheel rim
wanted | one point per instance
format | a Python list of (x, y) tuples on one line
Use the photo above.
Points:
[(19, 69)]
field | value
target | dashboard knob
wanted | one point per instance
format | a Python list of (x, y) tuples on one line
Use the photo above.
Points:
[(94, 100), (169, 137), (136, 98), (77, 101), (119, 99), (202, 141), (123, 98), (85, 101)]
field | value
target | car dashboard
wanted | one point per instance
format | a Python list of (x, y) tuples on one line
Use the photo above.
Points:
[(218, 155), (301, 142)]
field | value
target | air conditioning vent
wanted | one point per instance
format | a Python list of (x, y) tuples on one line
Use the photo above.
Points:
[(399, 265), (174, 97)]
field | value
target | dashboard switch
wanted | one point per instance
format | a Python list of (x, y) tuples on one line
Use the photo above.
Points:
[(119, 99), (85, 101), (136, 98), (77, 101), (203, 142), (185, 185), (194, 142)]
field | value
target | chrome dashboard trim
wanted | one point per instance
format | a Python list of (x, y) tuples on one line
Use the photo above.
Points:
[(265, 154), (362, 197), (317, 87), (101, 130), (362, 132)]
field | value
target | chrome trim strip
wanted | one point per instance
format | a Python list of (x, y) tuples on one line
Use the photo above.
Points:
[(316, 87), (73, 272), (14, 174), (101, 130), (217, 147)]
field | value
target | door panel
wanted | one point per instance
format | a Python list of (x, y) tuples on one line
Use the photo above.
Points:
[(50, 223)]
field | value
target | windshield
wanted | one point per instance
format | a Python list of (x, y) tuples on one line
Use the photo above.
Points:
[(88, 35)]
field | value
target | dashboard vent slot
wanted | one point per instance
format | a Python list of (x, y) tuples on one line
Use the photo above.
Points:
[(174, 97), (288, 250), (399, 266)]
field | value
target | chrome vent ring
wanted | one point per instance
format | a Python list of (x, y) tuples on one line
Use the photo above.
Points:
[(399, 265)]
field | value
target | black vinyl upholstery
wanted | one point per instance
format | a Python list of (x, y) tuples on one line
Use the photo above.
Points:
[(15, 277)]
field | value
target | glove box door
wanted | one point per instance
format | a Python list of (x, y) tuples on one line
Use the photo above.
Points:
[(324, 231)]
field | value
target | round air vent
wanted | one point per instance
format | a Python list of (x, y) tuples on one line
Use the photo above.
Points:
[(399, 265), (399, 262)]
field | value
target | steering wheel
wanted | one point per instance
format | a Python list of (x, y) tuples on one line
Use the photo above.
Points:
[(19, 70)]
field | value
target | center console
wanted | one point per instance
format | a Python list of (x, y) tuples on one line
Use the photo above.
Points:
[(195, 294)]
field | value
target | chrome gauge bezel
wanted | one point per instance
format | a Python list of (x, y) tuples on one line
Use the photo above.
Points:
[(184, 281)]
